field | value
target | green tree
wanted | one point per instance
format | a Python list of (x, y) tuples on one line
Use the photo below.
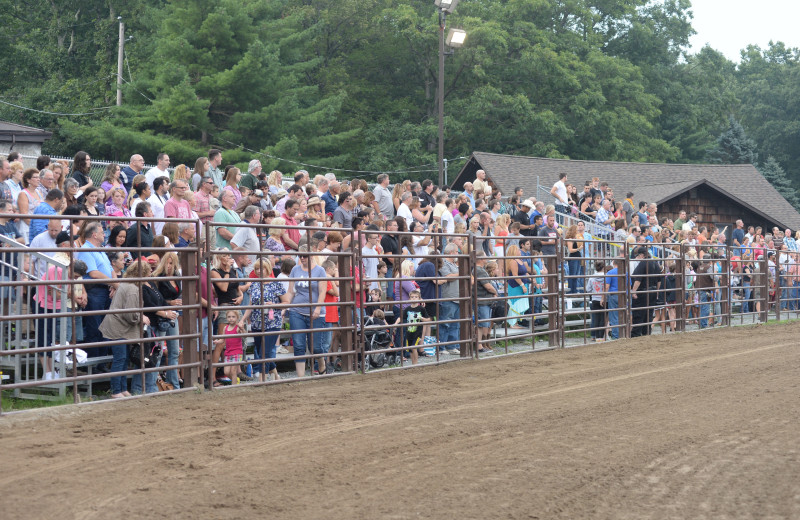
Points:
[(773, 172), (734, 147)]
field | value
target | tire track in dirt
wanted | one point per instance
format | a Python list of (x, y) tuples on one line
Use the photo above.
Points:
[(319, 433)]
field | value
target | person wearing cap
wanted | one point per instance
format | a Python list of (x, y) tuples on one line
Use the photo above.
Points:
[(252, 199), (250, 179), (522, 216), (314, 210)]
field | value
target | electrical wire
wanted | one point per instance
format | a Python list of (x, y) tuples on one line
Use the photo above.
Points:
[(412, 169), (95, 110)]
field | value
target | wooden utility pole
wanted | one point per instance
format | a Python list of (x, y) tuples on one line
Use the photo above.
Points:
[(120, 57)]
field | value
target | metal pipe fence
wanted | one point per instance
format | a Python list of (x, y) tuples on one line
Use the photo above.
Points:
[(341, 313)]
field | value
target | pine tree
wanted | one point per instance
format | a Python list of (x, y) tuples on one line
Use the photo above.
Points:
[(772, 171), (734, 147)]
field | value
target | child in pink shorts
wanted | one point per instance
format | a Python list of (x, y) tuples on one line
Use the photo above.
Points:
[(234, 347)]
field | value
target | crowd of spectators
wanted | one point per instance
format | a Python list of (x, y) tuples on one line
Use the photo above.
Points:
[(412, 238)]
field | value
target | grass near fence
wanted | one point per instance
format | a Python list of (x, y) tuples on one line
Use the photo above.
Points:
[(12, 404)]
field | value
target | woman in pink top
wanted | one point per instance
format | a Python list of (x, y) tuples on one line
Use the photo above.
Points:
[(232, 177)]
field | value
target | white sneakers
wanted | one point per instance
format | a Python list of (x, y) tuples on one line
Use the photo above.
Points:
[(49, 376)]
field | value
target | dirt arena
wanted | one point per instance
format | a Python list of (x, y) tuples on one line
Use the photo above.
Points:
[(699, 425)]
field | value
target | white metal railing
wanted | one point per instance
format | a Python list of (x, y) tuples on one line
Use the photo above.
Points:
[(21, 334), (98, 165)]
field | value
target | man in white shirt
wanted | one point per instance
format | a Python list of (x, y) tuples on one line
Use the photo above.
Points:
[(157, 201), (369, 257), (448, 223), (246, 238), (403, 210), (559, 191), (161, 170), (46, 240)]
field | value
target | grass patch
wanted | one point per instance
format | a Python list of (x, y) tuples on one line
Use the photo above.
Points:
[(13, 404)]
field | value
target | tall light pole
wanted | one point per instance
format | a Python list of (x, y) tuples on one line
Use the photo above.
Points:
[(455, 38), (120, 55)]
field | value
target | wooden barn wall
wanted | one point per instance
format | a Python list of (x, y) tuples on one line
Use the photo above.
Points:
[(712, 208)]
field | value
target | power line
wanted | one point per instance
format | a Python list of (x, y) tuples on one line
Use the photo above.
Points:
[(56, 113)]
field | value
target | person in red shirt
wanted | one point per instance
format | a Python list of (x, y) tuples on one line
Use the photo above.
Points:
[(293, 234)]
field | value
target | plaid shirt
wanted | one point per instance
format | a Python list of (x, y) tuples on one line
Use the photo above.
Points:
[(203, 204)]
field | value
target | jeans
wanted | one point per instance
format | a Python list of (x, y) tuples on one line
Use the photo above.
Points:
[(795, 293), (575, 269), (785, 292), (389, 287), (704, 308), (264, 347), (598, 320), (449, 331), (747, 294), (119, 384), (150, 386), (300, 340), (613, 315), (173, 351), (398, 332), (98, 300)]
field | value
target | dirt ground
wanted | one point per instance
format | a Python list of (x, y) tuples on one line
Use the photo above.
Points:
[(699, 425)]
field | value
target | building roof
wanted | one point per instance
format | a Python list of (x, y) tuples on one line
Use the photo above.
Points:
[(14, 133), (652, 182)]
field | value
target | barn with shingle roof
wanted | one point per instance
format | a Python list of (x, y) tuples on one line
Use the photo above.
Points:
[(719, 194)]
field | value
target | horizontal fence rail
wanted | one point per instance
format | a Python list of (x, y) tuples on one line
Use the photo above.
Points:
[(387, 299)]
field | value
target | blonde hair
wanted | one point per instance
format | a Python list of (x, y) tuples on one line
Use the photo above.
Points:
[(136, 180), (272, 178), (407, 268), (276, 232), (262, 263), (503, 220), (181, 173), (138, 269), (161, 268)]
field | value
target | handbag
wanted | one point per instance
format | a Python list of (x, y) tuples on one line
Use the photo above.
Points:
[(152, 351)]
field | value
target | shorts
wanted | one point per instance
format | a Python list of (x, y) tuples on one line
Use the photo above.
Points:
[(236, 358), (484, 313)]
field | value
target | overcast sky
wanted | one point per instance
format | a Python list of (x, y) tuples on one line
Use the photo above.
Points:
[(730, 25)]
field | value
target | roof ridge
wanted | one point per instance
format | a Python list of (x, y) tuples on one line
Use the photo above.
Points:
[(693, 165)]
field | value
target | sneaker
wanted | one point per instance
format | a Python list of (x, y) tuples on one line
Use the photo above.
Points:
[(282, 350), (454, 352)]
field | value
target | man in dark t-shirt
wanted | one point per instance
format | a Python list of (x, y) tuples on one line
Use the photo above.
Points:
[(549, 234)]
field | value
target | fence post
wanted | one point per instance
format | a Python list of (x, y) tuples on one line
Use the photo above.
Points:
[(625, 317), (728, 279), (346, 311), (681, 270), (562, 308), (764, 283), (188, 323), (554, 292), (467, 333), (778, 287)]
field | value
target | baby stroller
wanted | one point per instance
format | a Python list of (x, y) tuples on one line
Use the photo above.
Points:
[(376, 339)]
